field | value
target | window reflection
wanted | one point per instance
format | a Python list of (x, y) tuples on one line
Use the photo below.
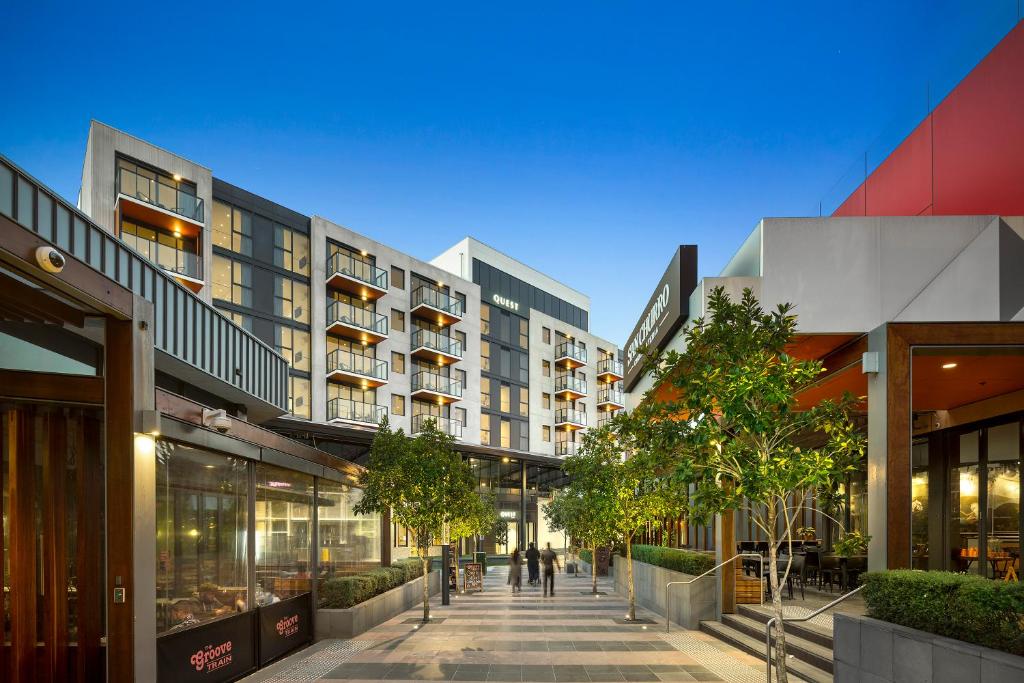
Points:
[(349, 543), (284, 515)]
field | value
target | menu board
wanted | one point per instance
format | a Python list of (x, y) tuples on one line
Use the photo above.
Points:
[(473, 580)]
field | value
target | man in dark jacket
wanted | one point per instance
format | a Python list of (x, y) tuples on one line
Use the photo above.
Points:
[(533, 564), (550, 560)]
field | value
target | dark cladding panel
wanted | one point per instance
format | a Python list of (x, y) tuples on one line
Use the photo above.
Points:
[(665, 312)]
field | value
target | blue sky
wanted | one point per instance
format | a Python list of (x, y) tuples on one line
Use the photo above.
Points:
[(585, 139)]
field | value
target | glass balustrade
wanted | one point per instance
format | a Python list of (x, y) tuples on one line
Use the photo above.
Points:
[(438, 384), (435, 298), (147, 186), (352, 267), (364, 318), (346, 361), (357, 411), (428, 339)]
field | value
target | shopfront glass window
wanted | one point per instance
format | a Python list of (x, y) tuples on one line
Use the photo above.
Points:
[(964, 498), (201, 536), (284, 519), (1002, 507), (349, 543)]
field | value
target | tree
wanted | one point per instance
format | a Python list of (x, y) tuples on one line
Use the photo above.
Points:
[(423, 483), (736, 429), (580, 511)]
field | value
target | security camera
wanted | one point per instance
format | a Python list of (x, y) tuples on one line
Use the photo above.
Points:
[(50, 260), (217, 419)]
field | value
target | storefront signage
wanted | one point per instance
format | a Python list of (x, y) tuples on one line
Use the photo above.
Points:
[(222, 650), (664, 314), (473, 577), (505, 301), (285, 626)]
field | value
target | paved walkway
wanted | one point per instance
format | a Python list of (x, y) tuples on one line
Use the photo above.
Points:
[(496, 636)]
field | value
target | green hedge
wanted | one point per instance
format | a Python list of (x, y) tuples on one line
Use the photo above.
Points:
[(685, 561), (347, 591), (964, 607), (586, 555)]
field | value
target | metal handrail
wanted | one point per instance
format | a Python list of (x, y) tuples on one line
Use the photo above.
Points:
[(668, 612), (771, 623)]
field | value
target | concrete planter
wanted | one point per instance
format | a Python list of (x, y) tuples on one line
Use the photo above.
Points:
[(867, 649), (691, 603), (350, 622)]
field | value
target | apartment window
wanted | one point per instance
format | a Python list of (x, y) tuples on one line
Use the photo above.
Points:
[(485, 392), (291, 250), (460, 416), (397, 320), (291, 299), (460, 375), (243, 321), (524, 333), (485, 429), (294, 346), (524, 437), (524, 402), (545, 401), (176, 254), (506, 398), (506, 434), (397, 363), (485, 356), (232, 228), (546, 367), (545, 431), (232, 281), (298, 397), (545, 334), (462, 300), (397, 404), (397, 277), (506, 363), (461, 338), (582, 376), (485, 319)]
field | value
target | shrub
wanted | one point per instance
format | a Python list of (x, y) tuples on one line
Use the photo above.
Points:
[(346, 591), (965, 607), (685, 561), (587, 556)]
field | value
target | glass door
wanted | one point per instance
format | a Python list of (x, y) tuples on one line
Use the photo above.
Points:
[(1002, 504), (964, 504)]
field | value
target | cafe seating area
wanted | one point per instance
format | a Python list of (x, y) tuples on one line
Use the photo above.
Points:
[(811, 568)]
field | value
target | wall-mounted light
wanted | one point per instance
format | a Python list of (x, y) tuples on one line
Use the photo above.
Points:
[(869, 363), (145, 445), (948, 366)]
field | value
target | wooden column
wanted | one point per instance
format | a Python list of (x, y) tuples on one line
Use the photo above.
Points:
[(89, 547), (385, 539), (727, 539), (897, 458), (55, 559), (21, 489)]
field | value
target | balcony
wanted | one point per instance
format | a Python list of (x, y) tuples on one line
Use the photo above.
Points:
[(565, 448), (362, 279), (175, 252), (605, 416), (569, 388), (146, 196), (445, 425), (570, 355), (610, 398), (357, 324), (609, 370), (436, 306), (435, 347), (431, 386), (362, 371), (570, 419), (347, 410)]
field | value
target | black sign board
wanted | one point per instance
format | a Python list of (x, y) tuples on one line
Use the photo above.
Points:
[(223, 650), (285, 626), (664, 314), (473, 577), (453, 567)]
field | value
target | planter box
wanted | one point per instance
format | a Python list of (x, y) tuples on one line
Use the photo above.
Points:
[(350, 622), (869, 649), (691, 603)]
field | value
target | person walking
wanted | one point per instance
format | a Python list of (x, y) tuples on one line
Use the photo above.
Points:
[(549, 559), (515, 572), (533, 564)]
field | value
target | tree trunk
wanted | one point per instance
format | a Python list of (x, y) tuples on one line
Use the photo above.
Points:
[(773, 578), (629, 571), (426, 583), (593, 570)]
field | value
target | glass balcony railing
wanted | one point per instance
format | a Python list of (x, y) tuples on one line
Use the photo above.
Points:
[(435, 298), (363, 318), (152, 189), (610, 395), (444, 425), (343, 263), (346, 361), (605, 416), (428, 339), (563, 448), (576, 385), (610, 366), (163, 250), (570, 416), (357, 411), (438, 384), (572, 351)]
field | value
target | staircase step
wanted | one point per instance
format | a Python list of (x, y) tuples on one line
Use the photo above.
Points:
[(802, 649), (802, 629), (797, 668)]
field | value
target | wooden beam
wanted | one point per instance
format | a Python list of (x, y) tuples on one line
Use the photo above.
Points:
[(37, 302), (88, 547), (45, 386)]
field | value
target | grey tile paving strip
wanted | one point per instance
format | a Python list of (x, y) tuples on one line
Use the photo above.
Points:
[(580, 673)]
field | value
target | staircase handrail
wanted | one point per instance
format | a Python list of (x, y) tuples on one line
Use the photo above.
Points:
[(668, 612)]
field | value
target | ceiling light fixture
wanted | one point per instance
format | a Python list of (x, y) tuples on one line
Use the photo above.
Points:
[(948, 366)]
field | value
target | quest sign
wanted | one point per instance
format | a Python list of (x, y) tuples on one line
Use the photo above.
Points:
[(664, 314)]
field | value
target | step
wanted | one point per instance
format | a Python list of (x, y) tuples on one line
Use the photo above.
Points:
[(753, 646), (802, 629), (802, 649)]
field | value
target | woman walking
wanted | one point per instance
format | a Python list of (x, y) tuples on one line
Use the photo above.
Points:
[(515, 572)]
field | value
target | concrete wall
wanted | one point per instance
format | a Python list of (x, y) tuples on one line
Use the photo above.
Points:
[(690, 604), (867, 649), (349, 623)]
